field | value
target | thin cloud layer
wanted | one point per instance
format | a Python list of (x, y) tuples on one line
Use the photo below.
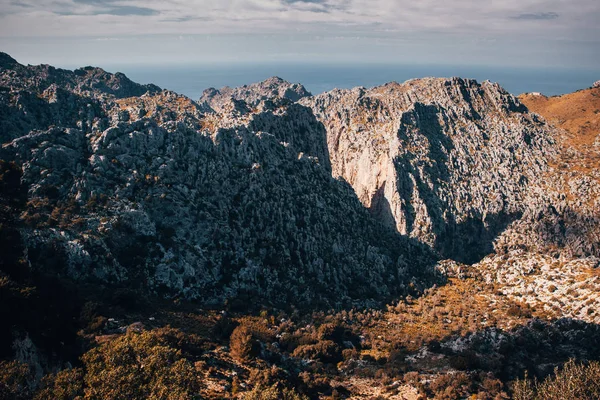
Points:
[(551, 26), (61, 17), (538, 16)]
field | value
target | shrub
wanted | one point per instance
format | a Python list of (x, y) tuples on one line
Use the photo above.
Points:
[(140, 365), (325, 351), (15, 379), (265, 377), (519, 311), (451, 386), (64, 385), (313, 384), (331, 331), (275, 392), (491, 388), (242, 344), (573, 381)]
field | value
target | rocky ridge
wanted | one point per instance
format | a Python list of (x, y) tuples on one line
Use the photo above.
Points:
[(257, 191), (270, 89), (158, 192), (446, 161)]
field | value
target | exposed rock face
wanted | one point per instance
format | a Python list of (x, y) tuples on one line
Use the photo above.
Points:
[(36, 97), (448, 162), (162, 193), (270, 89), (233, 196), (89, 81)]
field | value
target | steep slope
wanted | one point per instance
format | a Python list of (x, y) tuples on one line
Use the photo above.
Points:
[(578, 112), (162, 194), (446, 161), (563, 208)]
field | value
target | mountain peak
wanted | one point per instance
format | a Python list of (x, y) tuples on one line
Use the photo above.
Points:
[(270, 89), (6, 61), (276, 80)]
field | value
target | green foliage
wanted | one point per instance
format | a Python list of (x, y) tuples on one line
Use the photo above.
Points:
[(148, 365)]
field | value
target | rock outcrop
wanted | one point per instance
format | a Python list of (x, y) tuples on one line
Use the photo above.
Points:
[(270, 89), (269, 193), (160, 193), (448, 162)]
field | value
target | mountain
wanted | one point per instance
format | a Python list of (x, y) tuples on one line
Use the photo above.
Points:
[(268, 191), (445, 161), (272, 88), (162, 194), (436, 237)]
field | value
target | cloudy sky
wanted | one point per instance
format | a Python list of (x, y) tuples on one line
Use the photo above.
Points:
[(561, 33)]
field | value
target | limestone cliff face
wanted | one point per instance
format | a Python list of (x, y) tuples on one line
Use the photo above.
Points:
[(273, 88), (160, 193), (445, 161), (268, 192)]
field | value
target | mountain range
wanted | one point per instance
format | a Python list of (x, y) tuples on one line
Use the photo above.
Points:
[(267, 197)]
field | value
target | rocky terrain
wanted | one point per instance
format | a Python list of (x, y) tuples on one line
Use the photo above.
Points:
[(447, 162), (432, 238), (157, 191)]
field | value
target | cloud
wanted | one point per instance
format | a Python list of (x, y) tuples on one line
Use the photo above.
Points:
[(20, 4), (384, 28), (96, 2), (128, 10), (186, 18), (540, 16), (105, 7)]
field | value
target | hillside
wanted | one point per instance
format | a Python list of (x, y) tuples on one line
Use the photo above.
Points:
[(579, 115), (433, 238), (578, 112)]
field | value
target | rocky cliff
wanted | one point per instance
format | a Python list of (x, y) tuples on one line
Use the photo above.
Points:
[(465, 167), (269, 193), (445, 161), (154, 191)]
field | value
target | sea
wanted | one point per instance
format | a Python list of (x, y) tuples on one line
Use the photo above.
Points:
[(192, 80)]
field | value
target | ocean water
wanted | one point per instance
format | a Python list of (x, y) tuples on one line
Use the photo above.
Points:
[(193, 80)]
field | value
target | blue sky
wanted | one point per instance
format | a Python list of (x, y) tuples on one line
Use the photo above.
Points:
[(555, 33)]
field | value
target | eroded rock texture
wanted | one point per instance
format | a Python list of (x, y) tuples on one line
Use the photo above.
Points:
[(267, 192), (448, 162), (158, 192)]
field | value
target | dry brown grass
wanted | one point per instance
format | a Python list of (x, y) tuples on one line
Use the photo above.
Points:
[(579, 115), (457, 308)]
